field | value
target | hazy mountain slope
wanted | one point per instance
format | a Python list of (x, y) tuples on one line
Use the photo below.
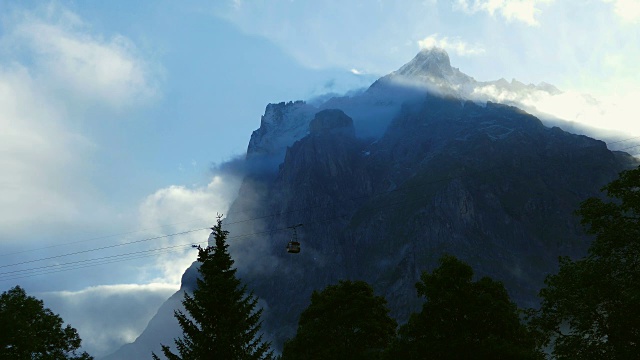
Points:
[(387, 181), (490, 185)]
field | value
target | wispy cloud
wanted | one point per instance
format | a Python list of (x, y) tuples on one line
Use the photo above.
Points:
[(89, 66), (455, 45), (627, 10), (524, 11), (51, 67), (37, 155)]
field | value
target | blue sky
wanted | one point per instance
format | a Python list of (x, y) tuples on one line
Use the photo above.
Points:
[(113, 113)]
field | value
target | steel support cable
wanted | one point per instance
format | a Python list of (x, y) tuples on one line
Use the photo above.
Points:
[(57, 269), (246, 220), (233, 213), (54, 268), (231, 223), (370, 196), (88, 260), (43, 270), (40, 268), (97, 238), (101, 248), (63, 267)]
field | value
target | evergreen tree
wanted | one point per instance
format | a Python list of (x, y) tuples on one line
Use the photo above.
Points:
[(590, 309), (222, 321), (29, 331)]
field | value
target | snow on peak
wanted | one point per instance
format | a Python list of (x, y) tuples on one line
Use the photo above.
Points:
[(429, 71), (280, 126), (432, 62)]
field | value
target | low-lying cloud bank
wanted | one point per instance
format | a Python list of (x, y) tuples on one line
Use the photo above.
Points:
[(610, 118), (110, 315)]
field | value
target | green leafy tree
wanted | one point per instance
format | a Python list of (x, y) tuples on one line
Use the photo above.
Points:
[(463, 319), (29, 331), (344, 321), (222, 320), (591, 308)]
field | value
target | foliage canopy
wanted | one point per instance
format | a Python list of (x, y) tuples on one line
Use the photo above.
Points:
[(590, 308), (463, 319), (344, 321), (29, 331)]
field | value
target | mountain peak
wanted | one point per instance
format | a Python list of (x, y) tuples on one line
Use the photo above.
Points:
[(432, 62)]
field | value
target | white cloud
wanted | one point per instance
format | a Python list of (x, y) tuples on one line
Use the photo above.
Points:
[(524, 11), (108, 316), (610, 116), (616, 113), (454, 45), (52, 69), (39, 157), (70, 58), (55, 75), (627, 10), (170, 205)]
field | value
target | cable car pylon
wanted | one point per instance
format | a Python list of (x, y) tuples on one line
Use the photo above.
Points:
[(293, 247)]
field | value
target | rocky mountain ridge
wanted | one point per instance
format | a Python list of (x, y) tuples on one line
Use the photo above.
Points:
[(430, 71), (388, 181)]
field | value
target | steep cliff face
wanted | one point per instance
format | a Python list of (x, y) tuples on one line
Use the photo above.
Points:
[(489, 184), (438, 174), (430, 71), (280, 126)]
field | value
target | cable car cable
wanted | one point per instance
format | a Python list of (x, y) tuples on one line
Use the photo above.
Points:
[(371, 196), (101, 248)]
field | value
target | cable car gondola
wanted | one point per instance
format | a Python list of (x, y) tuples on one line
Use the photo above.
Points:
[(293, 247)]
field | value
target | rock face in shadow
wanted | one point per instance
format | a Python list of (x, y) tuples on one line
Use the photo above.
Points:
[(488, 183), (332, 121)]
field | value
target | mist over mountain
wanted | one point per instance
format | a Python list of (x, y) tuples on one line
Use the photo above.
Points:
[(385, 182)]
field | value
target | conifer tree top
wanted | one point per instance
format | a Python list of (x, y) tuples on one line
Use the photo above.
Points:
[(222, 320)]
